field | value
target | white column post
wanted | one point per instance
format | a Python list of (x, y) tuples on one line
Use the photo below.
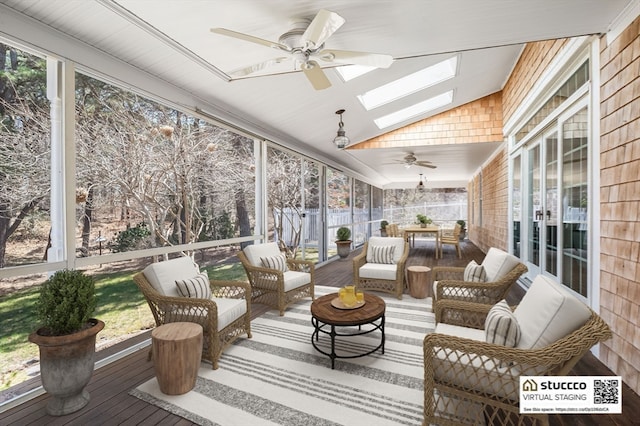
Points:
[(60, 92)]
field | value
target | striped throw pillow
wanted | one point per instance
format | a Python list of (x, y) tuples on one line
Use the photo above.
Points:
[(501, 326), (475, 273), (197, 287), (382, 254), (278, 262)]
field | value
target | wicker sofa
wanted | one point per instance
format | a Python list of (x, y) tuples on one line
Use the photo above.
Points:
[(386, 277), (502, 270), (276, 287), (224, 317), (470, 381)]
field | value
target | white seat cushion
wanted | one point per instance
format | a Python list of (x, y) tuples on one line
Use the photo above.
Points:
[(229, 310), (295, 279), (256, 252), (379, 271), (498, 263), (397, 242), (163, 275), (456, 330), (548, 312)]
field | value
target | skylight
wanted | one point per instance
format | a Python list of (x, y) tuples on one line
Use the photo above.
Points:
[(349, 72), (414, 110), (409, 84)]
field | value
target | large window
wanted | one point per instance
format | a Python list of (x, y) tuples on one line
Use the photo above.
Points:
[(25, 158), (150, 176), (551, 203)]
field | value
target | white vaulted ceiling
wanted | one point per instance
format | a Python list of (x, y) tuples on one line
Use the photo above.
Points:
[(165, 47)]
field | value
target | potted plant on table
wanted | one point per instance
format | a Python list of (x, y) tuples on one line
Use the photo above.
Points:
[(423, 220), (463, 228), (343, 242), (383, 228), (66, 339)]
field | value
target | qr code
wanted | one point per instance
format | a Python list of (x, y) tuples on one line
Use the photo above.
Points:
[(605, 391)]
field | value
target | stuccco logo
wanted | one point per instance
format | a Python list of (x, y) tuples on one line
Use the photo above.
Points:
[(529, 385)]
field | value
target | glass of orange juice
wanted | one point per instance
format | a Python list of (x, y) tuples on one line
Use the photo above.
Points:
[(359, 297)]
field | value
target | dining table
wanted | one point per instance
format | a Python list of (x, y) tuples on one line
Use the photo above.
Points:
[(409, 233)]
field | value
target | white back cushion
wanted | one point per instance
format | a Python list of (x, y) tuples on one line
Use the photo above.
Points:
[(498, 263), (397, 242), (255, 252), (548, 312), (163, 275)]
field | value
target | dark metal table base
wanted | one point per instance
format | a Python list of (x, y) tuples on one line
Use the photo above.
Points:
[(319, 326)]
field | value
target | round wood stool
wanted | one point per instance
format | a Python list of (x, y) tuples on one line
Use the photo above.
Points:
[(418, 278), (177, 352)]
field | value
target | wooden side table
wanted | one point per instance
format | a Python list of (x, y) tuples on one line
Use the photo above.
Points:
[(177, 352), (418, 279)]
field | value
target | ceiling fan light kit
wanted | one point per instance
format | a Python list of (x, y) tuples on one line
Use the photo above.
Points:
[(341, 140), (420, 186), (304, 43)]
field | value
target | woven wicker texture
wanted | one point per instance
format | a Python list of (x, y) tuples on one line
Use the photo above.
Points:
[(167, 309), (473, 382), (452, 286), (395, 287), (267, 285)]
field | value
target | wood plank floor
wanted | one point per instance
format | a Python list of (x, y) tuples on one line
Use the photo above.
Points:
[(111, 403)]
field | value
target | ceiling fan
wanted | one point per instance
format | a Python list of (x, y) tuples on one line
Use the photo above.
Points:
[(411, 160), (304, 45)]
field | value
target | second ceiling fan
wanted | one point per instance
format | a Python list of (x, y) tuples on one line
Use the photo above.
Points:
[(304, 45), (411, 160)]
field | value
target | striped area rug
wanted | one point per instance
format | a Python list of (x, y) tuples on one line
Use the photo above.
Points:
[(278, 378)]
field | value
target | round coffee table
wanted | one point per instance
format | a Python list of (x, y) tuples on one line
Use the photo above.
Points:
[(325, 318)]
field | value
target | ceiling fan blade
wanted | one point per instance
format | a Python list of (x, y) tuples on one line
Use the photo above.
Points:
[(241, 72), (431, 166), (315, 75), (323, 25), (251, 39), (356, 58)]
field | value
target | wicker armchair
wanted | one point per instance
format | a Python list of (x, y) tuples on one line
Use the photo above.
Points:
[(385, 277), (277, 288), (502, 271), (224, 317), (469, 381)]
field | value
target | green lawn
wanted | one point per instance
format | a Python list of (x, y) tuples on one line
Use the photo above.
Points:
[(120, 305)]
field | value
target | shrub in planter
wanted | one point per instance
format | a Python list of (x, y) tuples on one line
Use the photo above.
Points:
[(343, 235), (66, 339)]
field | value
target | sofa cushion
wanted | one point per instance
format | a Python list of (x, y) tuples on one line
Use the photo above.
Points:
[(255, 252), (197, 287), (474, 273), (163, 275), (396, 242), (295, 279), (501, 326), (498, 263), (382, 254), (229, 310), (278, 262), (378, 271), (548, 312)]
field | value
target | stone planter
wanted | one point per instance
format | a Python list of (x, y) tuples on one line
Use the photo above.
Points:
[(344, 248), (66, 367)]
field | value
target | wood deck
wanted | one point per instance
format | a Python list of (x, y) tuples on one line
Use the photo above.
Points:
[(111, 403)]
